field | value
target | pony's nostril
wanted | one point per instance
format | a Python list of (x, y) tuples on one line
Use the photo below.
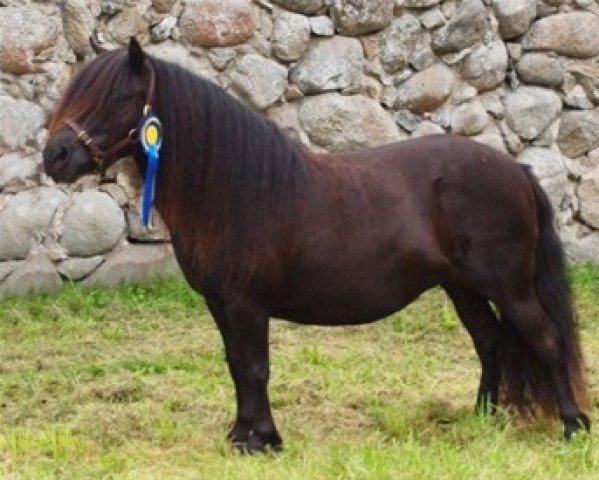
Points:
[(55, 156), (62, 154), (58, 156)]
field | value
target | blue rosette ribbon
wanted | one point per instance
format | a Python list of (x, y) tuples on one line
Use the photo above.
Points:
[(151, 140)]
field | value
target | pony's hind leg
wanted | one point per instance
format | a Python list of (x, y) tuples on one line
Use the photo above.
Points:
[(245, 334), (527, 316), (484, 328)]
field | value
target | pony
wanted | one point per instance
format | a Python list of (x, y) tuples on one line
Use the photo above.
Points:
[(262, 227)]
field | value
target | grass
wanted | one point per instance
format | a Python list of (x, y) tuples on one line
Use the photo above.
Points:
[(132, 384)]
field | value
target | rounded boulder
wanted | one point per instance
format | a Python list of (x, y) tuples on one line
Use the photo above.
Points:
[(92, 224)]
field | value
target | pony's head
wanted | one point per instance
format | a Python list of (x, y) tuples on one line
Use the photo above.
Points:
[(95, 122)]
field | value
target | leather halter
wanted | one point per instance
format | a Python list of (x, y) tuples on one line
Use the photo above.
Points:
[(105, 158)]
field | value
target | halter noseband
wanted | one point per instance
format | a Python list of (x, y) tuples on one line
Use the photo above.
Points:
[(105, 158)]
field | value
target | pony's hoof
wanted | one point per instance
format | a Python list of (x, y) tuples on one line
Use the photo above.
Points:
[(572, 428), (485, 409), (256, 444)]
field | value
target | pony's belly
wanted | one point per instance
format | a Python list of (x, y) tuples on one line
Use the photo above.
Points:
[(332, 316), (346, 305), (355, 289)]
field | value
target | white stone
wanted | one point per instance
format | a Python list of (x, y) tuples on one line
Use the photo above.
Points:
[(540, 69), (163, 6), (485, 68), (427, 90), (35, 275), (467, 26), (290, 35), (359, 17), (420, 3), (258, 80), (469, 118), (178, 54), (26, 220), (462, 92), (6, 268), (78, 25), (134, 263), (572, 34), (586, 73), (130, 22), (217, 23), (512, 141), (164, 29), (16, 167), (432, 18), (577, 98), (29, 28), (427, 128), (514, 16), (341, 122), (492, 101), (20, 122), (308, 7), (580, 248), (491, 136), (221, 57), (399, 42), (530, 110), (407, 120), (322, 26), (423, 57), (588, 192), (578, 132), (329, 64), (75, 269), (93, 224)]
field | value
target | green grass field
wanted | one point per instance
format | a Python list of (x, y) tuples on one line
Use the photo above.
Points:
[(132, 384)]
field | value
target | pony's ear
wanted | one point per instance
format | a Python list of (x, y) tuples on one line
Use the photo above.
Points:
[(96, 45), (136, 55)]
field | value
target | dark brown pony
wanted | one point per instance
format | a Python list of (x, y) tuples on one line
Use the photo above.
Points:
[(263, 228)]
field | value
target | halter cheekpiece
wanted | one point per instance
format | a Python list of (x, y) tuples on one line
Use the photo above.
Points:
[(148, 132)]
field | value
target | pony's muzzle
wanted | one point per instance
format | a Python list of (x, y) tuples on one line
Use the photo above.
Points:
[(66, 158), (55, 156)]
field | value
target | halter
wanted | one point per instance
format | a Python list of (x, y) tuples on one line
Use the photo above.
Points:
[(104, 158)]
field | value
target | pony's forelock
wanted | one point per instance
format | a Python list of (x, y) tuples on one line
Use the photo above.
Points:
[(86, 90)]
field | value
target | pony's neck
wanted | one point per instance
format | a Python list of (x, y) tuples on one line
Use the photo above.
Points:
[(228, 178)]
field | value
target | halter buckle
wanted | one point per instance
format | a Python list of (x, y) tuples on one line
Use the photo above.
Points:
[(132, 135), (84, 137)]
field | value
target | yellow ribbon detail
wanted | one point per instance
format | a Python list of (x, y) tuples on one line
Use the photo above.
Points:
[(151, 135)]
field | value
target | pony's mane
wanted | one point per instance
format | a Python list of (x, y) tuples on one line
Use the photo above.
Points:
[(229, 178)]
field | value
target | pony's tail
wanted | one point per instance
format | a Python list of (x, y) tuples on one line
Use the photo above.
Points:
[(526, 382)]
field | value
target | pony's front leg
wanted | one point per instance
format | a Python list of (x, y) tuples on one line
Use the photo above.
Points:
[(244, 330)]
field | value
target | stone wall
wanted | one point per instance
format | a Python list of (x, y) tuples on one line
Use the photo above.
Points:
[(520, 75)]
